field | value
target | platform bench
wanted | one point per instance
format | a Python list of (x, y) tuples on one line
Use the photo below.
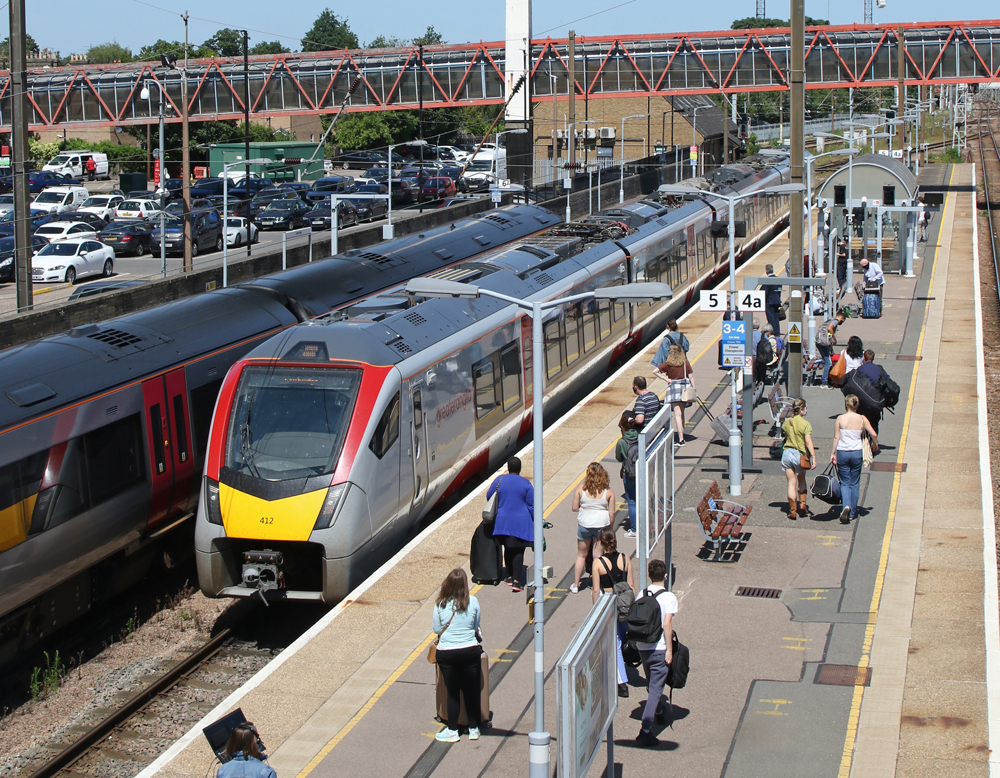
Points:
[(721, 520)]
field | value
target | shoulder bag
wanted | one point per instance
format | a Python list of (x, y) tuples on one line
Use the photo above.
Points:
[(839, 370), (688, 393), (490, 511), (432, 650)]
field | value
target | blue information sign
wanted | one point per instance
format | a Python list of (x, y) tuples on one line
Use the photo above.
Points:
[(733, 343)]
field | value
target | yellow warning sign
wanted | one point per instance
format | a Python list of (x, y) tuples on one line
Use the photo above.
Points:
[(794, 334)]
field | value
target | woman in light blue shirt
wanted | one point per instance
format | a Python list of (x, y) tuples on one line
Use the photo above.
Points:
[(456, 622)]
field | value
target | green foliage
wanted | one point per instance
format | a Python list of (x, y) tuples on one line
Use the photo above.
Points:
[(375, 129), (752, 145), (47, 680), (153, 51), (753, 23), (106, 53), (42, 152), (29, 46), (431, 37), (950, 156), (329, 33), (387, 42), (269, 47), (226, 43)]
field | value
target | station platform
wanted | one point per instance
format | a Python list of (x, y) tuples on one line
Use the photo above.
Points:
[(878, 655)]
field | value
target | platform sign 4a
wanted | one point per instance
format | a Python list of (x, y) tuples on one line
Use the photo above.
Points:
[(714, 301), (733, 343), (751, 301), (795, 333)]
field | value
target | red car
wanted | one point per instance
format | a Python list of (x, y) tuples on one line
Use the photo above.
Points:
[(439, 186)]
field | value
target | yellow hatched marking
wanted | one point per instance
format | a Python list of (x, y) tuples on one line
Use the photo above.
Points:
[(815, 594), (777, 707), (828, 540), (799, 641)]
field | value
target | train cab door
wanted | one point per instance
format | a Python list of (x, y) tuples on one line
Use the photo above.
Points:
[(184, 498), (161, 467), (420, 458)]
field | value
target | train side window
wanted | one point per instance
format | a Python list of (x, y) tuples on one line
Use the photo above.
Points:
[(553, 349), (589, 325), (604, 319), (70, 492), (19, 482), (572, 335), (484, 387), (180, 429), (114, 459), (387, 429), (156, 436), (202, 402), (418, 411), (510, 372)]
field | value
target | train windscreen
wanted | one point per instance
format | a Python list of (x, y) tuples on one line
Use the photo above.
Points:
[(290, 422)]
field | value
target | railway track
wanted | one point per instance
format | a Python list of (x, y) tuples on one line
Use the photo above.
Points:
[(990, 168)]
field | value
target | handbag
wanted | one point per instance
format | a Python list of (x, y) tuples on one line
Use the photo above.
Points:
[(867, 456), (688, 393), (804, 461), (838, 371), (432, 649), (490, 511), (781, 313), (826, 486)]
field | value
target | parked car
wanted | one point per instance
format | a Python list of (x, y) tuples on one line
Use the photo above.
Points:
[(38, 218), (263, 199), (358, 159), (142, 194), (100, 287), (197, 203), (283, 215), (455, 174), (93, 220), (100, 205), (128, 237), (71, 259), (208, 187), (319, 217), (206, 234), (7, 254), (299, 187), (6, 203), (236, 231), (439, 186), (324, 187), (136, 209), (43, 179), (244, 189), (54, 231), (369, 210)]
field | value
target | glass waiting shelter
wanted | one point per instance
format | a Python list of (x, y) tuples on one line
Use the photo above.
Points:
[(849, 199)]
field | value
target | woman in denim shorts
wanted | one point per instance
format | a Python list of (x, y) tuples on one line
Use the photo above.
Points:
[(594, 505), (798, 443)]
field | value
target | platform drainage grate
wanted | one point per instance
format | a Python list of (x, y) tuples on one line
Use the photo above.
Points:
[(843, 675), (758, 592), (889, 467), (908, 358)]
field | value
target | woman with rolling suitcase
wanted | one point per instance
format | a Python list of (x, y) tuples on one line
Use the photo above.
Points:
[(458, 654)]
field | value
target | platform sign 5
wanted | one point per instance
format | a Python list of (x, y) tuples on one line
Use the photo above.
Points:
[(751, 301), (713, 301)]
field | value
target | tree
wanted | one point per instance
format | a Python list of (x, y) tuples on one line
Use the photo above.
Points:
[(269, 47), (29, 46), (753, 23), (106, 53), (375, 129), (329, 33), (431, 37), (226, 43), (153, 51), (387, 42)]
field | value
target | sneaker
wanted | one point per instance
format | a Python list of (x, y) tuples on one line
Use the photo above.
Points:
[(845, 516), (574, 588), (516, 588), (630, 533), (646, 739), (447, 736), (681, 444), (623, 690), (473, 733)]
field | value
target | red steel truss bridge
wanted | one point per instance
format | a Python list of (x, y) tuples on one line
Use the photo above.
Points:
[(471, 74)]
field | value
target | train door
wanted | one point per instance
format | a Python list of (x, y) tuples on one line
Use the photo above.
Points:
[(161, 469), (184, 497), (420, 458)]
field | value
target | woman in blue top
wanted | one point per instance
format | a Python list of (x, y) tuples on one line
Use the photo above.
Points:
[(515, 523), (245, 757), (456, 621), (673, 338)]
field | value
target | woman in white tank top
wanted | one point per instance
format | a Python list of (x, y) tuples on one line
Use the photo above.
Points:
[(594, 505), (847, 456)]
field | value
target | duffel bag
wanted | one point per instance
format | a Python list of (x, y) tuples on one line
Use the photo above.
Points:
[(826, 486)]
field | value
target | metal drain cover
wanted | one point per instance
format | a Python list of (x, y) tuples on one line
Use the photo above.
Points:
[(843, 675), (889, 467), (758, 592)]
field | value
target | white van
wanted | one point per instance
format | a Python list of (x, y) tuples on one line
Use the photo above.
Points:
[(487, 169), (59, 199), (74, 163)]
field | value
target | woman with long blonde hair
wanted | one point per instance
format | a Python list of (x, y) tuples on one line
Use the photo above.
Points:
[(594, 506), (677, 372)]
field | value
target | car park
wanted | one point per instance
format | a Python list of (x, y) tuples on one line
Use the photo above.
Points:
[(319, 217), (55, 230), (7, 249), (439, 186), (132, 237), (136, 209), (101, 205), (206, 234), (71, 259), (236, 231), (57, 199), (38, 218), (283, 215)]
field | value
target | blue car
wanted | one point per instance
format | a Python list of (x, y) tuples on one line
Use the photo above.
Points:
[(38, 218), (42, 179)]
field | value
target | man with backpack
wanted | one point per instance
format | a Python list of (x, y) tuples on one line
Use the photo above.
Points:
[(650, 625), (888, 389), (627, 452)]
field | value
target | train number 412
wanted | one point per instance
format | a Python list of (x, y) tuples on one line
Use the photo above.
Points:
[(267, 520)]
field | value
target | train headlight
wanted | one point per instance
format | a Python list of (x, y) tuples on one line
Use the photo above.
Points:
[(332, 503), (213, 508)]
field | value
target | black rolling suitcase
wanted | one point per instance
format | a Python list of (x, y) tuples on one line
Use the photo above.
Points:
[(486, 556)]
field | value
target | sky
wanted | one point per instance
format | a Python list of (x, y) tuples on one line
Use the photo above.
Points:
[(134, 23)]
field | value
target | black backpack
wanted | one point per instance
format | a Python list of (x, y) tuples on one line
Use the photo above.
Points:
[(889, 389), (677, 674), (631, 457), (765, 353), (645, 619), (624, 596), (868, 394)]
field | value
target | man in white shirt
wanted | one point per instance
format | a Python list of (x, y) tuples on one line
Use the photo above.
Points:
[(656, 657), (872, 273)]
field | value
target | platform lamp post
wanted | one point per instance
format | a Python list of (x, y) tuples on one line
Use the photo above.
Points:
[(225, 211), (538, 740), (144, 95), (735, 453), (387, 229), (621, 179)]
